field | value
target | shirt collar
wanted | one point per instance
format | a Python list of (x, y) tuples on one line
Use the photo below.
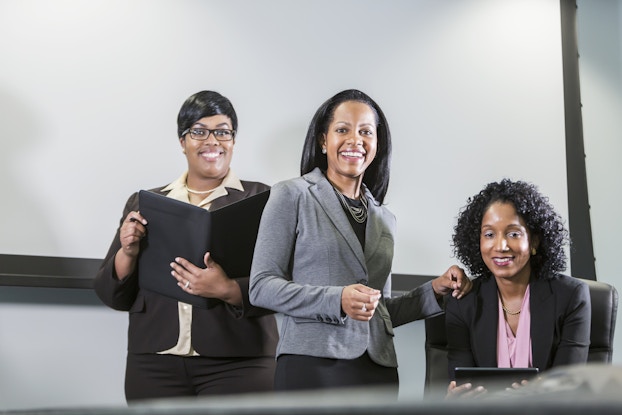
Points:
[(177, 189)]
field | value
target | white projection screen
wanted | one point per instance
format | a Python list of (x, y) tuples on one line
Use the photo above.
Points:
[(90, 90)]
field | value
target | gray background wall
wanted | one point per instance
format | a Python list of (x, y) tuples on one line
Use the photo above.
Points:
[(89, 92)]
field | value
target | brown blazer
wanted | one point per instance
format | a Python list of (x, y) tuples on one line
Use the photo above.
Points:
[(221, 331)]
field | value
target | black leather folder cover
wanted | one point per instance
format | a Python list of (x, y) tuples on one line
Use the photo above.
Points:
[(179, 229)]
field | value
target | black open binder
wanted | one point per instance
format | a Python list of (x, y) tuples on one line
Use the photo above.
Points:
[(179, 229)]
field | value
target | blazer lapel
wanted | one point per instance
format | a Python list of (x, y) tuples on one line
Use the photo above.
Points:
[(374, 227), (486, 324), (542, 313), (233, 195), (326, 198)]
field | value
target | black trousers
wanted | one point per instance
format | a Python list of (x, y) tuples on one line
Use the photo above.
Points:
[(150, 376), (296, 372)]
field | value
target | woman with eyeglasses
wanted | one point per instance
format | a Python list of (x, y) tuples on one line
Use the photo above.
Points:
[(175, 349)]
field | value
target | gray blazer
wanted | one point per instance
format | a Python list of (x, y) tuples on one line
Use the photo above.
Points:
[(307, 251)]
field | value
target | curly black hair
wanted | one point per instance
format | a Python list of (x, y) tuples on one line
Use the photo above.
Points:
[(540, 218)]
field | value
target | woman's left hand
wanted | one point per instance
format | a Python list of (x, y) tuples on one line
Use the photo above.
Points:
[(453, 281), (211, 282), (359, 301)]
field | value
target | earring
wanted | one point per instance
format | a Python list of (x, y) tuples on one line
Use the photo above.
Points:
[(533, 251), (323, 150)]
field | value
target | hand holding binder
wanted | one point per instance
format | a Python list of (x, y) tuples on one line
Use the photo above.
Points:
[(210, 281), (178, 229)]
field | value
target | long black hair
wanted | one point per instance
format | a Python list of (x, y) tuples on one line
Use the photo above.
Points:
[(376, 177)]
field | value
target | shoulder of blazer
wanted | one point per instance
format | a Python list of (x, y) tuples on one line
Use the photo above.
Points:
[(564, 281), (235, 195), (132, 201), (159, 190), (483, 284), (558, 285), (253, 187), (314, 176), (301, 184), (483, 291)]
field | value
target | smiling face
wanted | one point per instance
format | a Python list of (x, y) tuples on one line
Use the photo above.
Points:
[(209, 159), (350, 142), (505, 242)]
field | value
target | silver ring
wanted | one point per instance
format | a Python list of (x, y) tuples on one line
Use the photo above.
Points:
[(187, 284), (364, 308)]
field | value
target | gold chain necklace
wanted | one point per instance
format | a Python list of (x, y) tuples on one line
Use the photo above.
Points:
[(512, 313)]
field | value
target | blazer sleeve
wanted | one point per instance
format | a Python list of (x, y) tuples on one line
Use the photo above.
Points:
[(271, 284), (248, 310), (575, 330), (416, 304), (115, 293)]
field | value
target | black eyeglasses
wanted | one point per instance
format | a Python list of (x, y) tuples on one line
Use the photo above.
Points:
[(202, 134)]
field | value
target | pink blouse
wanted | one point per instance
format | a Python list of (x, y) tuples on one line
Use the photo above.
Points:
[(515, 350)]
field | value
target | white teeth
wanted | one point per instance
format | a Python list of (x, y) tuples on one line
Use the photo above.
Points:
[(351, 154), (502, 261), (210, 155)]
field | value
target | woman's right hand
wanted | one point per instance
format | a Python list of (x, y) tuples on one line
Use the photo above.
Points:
[(132, 231), (464, 391)]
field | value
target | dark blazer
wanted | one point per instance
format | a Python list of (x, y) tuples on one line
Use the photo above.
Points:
[(560, 323), (221, 331)]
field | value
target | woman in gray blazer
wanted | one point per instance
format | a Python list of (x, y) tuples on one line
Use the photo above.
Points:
[(324, 251)]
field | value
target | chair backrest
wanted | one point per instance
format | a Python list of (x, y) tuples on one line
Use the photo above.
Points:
[(604, 311), (604, 298)]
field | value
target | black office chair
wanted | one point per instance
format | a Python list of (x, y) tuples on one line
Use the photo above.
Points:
[(604, 298)]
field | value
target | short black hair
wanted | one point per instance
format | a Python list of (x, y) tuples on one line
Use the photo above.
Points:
[(204, 104), (535, 209), (376, 177)]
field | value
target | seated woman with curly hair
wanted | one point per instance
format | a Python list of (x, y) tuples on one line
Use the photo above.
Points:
[(521, 312)]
